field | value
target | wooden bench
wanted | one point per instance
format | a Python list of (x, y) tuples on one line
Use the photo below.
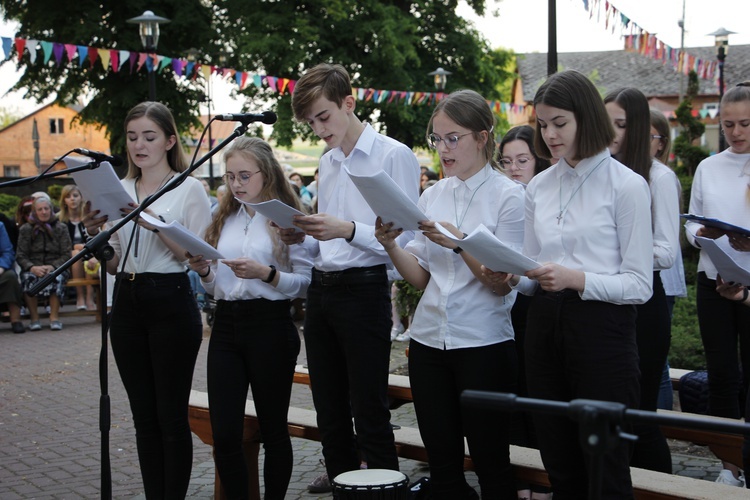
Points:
[(74, 282), (527, 463)]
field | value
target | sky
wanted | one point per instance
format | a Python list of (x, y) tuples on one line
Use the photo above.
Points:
[(522, 27)]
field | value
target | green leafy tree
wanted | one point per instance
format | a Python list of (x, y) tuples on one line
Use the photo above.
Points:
[(684, 147), (102, 24), (388, 45), (384, 44), (8, 116)]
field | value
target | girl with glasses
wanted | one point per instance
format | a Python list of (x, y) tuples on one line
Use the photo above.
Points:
[(461, 334), (519, 160), (254, 342)]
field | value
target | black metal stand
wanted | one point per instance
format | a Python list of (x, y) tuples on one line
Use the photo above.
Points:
[(99, 246), (29, 180), (600, 423)]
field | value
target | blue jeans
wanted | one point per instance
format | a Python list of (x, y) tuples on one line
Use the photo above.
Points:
[(156, 333), (348, 343), (255, 344)]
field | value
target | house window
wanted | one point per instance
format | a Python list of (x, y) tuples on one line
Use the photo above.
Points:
[(56, 125), (11, 170)]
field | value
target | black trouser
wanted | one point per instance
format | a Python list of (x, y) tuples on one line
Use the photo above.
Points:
[(723, 323), (347, 338), (438, 377), (579, 349), (653, 335), (255, 344), (156, 333)]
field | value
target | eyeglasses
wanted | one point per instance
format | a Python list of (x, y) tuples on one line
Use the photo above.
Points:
[(244, 177), (654, 136), (451, 142), (520, 163)]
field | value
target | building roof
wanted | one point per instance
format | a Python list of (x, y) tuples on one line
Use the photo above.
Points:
[(614, 69)]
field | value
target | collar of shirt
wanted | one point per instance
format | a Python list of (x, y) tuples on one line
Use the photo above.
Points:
[(583, 167), (364, 144)]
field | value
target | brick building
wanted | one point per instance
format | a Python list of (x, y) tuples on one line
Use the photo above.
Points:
[(57, 133)]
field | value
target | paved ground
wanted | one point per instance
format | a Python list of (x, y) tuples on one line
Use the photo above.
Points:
[(50, 442)]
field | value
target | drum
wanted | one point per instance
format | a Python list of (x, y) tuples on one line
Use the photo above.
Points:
[(371, 484)]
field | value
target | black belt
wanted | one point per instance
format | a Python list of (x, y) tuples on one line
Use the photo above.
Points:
[(565, 292), (158, 277), (351, 276)]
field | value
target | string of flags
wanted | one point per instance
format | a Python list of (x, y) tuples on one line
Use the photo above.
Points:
[(125, 60), (647, 44)]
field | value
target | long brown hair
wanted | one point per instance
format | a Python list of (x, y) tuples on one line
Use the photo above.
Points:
[(162, 117), (275, 186)]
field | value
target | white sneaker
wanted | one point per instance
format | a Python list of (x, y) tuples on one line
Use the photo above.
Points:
[(396, 331), (404, 337), (726, 477)]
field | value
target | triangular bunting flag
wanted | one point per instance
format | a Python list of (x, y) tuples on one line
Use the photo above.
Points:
[(57, 50), (83, 52), (142, 60), (70, 49), (93, 55), (124, 57), (114, 58), (133, 59), (104, 57), (292, 83), (164, 62), (31, 47), (7, 46)]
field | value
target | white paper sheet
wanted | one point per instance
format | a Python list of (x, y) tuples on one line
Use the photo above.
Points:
[(733, 266), (276, 211), (388, 200), (183, 237), (484, 246), (101, 187)]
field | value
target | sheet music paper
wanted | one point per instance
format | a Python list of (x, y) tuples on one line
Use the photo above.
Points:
[(733, 266), (484, 246), (101, 187), (718, 224), (183, 237), (388, 200), (277, 211)]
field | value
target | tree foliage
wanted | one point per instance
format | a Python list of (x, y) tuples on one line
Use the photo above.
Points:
[(692, 130), (102, 24), (384, 44)]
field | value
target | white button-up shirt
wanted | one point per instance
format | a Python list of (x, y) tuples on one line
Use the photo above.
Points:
[(338, 196), (456, 310), (604, 227)]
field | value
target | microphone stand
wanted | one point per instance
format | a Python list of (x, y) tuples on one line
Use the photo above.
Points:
[(99, 246), (28, 180), (599, 423)]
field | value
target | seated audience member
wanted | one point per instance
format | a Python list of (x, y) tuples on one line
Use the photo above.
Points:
[(10, 289), (43, 245)]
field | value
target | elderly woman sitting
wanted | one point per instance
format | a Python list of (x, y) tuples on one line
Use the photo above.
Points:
[(43, 245)]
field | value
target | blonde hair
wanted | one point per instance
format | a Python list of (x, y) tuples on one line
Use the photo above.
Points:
[(65, 215), (275, 186)]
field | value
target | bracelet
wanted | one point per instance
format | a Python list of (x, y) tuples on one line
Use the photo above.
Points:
[(745, 294), (458, 250), (208, 271), (271, 275), (350, 238)]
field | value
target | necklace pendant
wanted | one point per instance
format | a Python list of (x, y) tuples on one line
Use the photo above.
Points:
[(559, 218)]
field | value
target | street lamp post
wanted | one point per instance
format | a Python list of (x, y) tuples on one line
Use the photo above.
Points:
[(148, 27), (441, 78), (722, 46)]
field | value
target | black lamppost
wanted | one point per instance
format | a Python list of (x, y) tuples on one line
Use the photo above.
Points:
[(441, 78), (148, 27), (722, 46)]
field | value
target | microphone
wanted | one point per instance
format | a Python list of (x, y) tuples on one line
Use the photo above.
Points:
[(267, 117), (116, 161)]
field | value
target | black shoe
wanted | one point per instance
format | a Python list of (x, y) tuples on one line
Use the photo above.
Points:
[(17, 327)]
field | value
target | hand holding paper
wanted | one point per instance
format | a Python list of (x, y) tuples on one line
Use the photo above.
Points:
[(491, 252), (183, 237), (388, 200), (102, 188), (276, 211)]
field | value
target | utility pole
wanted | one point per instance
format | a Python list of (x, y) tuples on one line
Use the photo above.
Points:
[(681, 24)]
